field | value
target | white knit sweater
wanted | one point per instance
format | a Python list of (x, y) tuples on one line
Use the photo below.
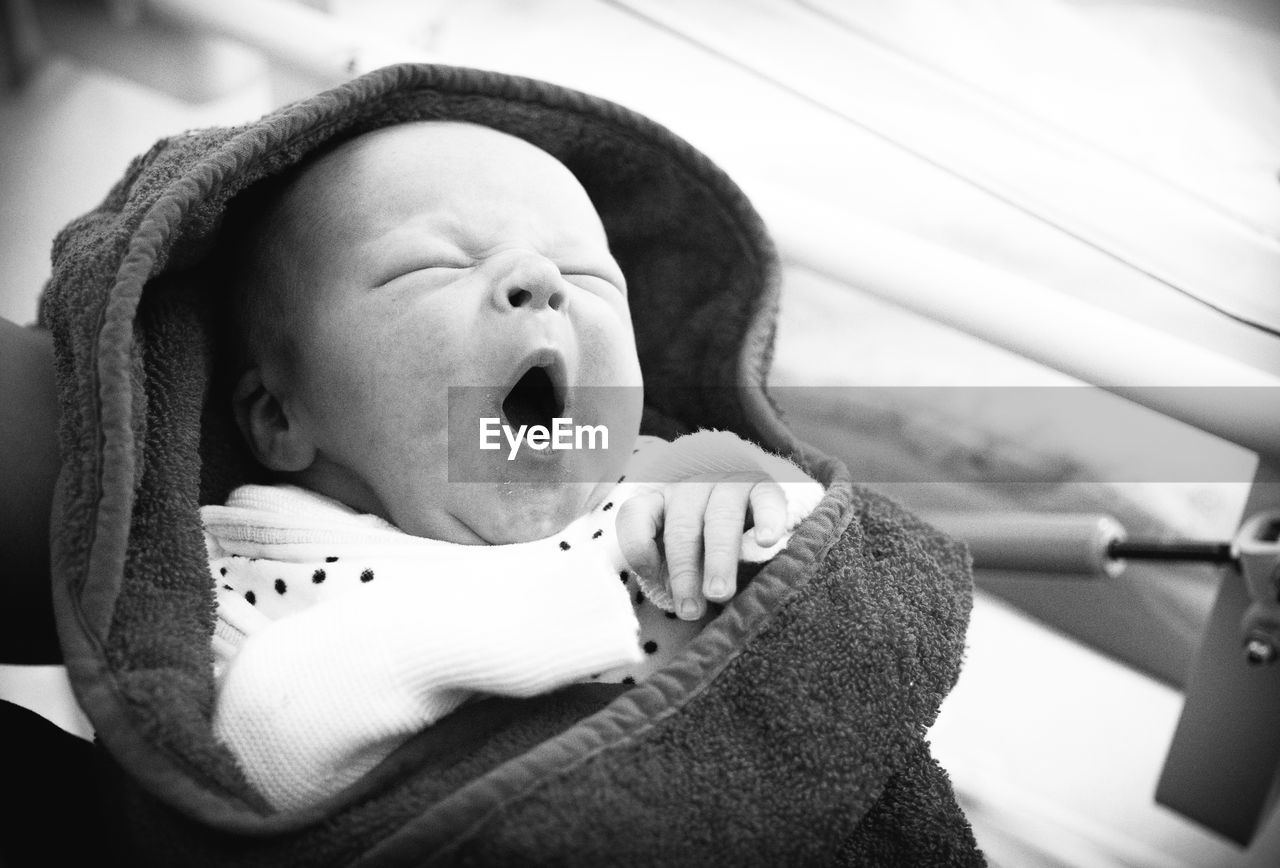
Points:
[(338, 635)]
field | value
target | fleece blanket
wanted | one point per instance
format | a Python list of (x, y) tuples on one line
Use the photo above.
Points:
[(790, 731)]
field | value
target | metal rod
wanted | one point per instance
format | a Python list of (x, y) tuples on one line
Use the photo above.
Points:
[(1140, 550)]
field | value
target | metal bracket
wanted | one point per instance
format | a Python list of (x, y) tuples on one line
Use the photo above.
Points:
[(1222, 765), (1257, 550)]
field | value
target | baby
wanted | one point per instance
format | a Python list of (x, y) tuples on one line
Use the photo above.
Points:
[(398, 569)]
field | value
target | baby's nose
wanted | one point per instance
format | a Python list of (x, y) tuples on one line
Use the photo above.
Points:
[(529, 280)]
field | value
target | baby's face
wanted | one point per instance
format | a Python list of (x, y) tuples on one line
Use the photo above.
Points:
[(452, 255)]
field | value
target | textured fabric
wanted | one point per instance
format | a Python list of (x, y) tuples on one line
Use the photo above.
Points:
[(319, 696), (398, 631), (790, 731)]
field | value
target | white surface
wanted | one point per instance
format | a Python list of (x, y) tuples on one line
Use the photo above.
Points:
[(46, 690), (64, 140), (1054, 751), (1055, 328)]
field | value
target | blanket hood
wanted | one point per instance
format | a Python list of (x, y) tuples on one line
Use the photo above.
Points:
[(144, 445)]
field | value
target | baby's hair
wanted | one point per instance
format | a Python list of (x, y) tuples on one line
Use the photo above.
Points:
[(267, 236), (258, 284), (257, 272)]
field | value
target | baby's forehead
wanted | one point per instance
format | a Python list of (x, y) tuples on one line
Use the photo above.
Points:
[(439, 152), (472, 170)]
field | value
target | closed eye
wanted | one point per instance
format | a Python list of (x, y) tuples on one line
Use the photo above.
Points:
[(421, 269), (615, 280)]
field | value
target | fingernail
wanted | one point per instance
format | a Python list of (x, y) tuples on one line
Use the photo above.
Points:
[(717, 588), (689, 609)]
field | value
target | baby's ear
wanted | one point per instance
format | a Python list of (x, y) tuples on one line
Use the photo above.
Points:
[(275, 441)]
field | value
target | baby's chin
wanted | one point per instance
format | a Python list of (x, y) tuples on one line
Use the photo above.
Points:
[(524, 512)]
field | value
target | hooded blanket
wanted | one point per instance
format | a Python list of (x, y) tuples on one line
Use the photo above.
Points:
[(790, 731)]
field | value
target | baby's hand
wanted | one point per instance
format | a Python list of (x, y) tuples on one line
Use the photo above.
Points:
[(696, 527)]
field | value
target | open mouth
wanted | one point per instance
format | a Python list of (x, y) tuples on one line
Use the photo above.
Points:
[(534, 399)]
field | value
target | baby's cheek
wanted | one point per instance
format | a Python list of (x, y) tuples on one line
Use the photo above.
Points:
[(607, 348)]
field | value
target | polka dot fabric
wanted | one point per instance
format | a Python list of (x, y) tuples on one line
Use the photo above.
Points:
[(662, 635), (283, 549), (398, 629)]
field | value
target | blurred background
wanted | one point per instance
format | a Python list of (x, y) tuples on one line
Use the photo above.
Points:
[(973, 194)]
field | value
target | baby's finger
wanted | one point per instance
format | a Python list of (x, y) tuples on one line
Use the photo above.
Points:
[(723, 521), (768, 512), (638, 525), (682, 544)]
